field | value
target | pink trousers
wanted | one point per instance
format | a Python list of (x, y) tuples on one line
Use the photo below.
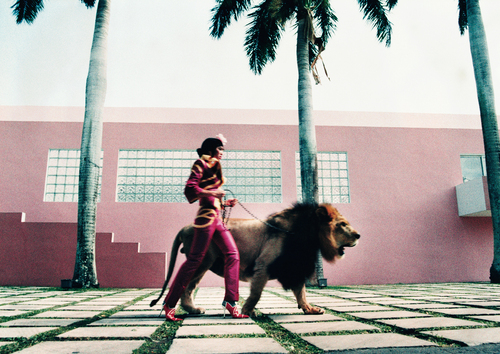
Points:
[(217, 232)]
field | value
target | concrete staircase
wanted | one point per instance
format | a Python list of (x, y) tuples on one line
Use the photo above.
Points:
[(43, 253)]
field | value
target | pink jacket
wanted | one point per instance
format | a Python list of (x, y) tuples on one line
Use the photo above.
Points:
[(206, 174)]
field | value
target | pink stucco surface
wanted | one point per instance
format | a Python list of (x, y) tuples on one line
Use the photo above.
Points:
[(402, 185), (43, 254)]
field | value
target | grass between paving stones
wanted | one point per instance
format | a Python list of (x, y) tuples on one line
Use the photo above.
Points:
[(23, 343), (163, 337), (288, 340), (160, 340), (386, 328)]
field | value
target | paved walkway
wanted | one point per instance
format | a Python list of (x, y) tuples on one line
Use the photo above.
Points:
[(414, 318)]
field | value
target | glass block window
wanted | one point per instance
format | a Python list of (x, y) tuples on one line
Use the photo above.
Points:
[(253, 176), (61, 182), (333, 177), (153, 176), (160, 175), (473, 166)]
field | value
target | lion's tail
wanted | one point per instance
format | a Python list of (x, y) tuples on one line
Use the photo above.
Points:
[(171, 265)]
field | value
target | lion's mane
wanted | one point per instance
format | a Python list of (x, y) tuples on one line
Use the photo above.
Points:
[(296, 263)]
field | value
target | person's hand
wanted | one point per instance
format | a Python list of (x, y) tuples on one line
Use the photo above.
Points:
[(218, 193), (231, 202)]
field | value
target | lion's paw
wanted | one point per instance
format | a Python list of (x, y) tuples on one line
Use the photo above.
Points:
[(248, 311), (194, 310), (313, 310)]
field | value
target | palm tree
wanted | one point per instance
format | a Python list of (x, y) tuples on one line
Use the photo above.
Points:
[(470, 18), (267, 24), (85, 274)]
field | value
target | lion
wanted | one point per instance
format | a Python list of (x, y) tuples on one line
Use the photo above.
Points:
[(284, 247)]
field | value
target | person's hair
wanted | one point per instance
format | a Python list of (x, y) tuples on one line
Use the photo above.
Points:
[(209, 146)]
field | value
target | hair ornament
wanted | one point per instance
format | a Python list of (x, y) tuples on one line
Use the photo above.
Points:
[(221, 138)]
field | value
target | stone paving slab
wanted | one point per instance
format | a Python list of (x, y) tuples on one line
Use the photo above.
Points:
[(141, 307), (335, 303), (365, 341), (327, 327), (209, 301), (67, 314), (215, 320), (287, 310), (275, 300), (6, 300), (85, 307), (225, 345), (105, 303), (429, 322), (12, 313), (84, 347), (39, 322), (78, 297), (361, 308), (477, 301), (349, 295), (393, 301), (218, 329), (429, 306), (373, 299), (93, 293), (132, 314), (50, 301), (275, 305), (444, 299), (471, 337), (493, 318), (468, 311), (387, 314), (25, 307), (215, 312), (25, 332), (304, 318), (139, 321), (109, 332), (480, 303)]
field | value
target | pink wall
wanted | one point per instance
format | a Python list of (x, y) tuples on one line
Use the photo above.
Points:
[(402, 183), (43, 254)]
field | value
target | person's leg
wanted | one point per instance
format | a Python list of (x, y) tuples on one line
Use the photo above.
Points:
[(224, 240), (199, 247)]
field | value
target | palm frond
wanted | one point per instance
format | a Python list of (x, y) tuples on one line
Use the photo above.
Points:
[(313, 52), (325, 18), (223, 12), (263, 36), (375, 12), (390, 4), (89, 3), (26, 10), (284, 10), (463, 21)]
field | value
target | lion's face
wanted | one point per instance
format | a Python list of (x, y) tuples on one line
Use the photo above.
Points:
[(344, 234), (336, 233)]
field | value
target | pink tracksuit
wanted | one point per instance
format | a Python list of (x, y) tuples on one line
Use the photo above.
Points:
[(206, 174)]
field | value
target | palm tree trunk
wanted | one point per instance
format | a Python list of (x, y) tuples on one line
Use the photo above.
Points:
[(307, 132), (484, 85), (85, 274)]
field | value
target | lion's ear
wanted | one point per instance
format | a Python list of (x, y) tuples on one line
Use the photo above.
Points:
[(323, 214)]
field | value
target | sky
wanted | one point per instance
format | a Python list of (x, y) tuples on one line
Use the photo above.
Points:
[(161, 55)]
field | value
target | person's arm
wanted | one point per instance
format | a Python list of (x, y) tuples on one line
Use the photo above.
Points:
[(193, 191)]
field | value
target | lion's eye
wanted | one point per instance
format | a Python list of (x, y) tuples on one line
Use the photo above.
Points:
[(342, 224)]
